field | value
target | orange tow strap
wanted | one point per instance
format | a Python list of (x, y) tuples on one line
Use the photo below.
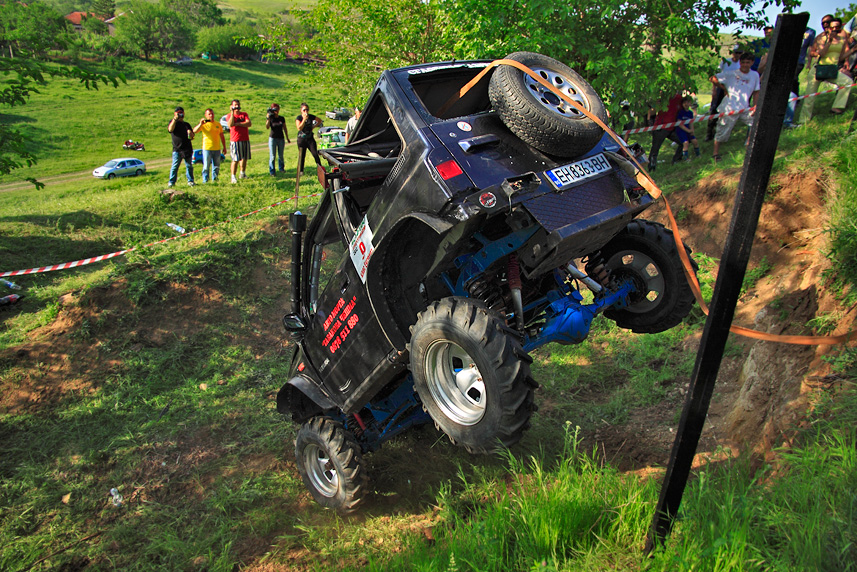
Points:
[(645, 180)]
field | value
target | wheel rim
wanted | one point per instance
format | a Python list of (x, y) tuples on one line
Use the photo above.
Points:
[(320, 470), (455, 382), (647, 276), (550, 100)]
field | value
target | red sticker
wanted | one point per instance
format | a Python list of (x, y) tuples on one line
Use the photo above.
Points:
[(487, 200)]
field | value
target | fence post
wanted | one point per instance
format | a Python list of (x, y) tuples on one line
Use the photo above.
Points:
[(764, 136)]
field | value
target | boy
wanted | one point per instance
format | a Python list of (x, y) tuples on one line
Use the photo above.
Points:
[(685, 129), (741, 87)]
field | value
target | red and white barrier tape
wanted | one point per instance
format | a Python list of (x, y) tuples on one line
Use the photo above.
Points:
[(85, 261), (699, 118)]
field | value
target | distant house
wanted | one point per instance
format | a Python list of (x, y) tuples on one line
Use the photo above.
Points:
[(77, 18)]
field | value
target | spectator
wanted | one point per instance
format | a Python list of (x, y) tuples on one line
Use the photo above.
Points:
[(239, 139), (213, 144), (808, 40), (277, 137), (306, 122), (352, 124), (717, 94), (741, 87), (830, 49), (182, 134), (685, 130), (760, 48), (660, 135)]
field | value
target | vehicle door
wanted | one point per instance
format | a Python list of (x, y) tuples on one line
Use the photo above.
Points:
[(122, 169), (344, 340)]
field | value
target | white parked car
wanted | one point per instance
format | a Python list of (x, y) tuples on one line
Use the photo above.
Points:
[(120, 168)]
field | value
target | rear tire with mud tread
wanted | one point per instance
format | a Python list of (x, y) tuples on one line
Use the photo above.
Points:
[(537, 115), (640, 244), (330, 463), (482, 405)]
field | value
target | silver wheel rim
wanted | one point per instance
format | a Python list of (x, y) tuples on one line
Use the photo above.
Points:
[(550, 100), (649, 273), (320, 470), (455, 382)]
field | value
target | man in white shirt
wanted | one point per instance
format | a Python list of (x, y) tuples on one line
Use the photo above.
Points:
[(717, 94), (742, 87)]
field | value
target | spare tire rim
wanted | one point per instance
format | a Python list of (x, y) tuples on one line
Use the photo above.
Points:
[(550, 100), (320, 470), (455, 382), (645, 273)]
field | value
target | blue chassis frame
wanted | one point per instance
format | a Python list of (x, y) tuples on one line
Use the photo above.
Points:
[(567, 321)]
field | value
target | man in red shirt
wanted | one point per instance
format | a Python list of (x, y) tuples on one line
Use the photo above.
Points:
[(660, 135), (239, 138)]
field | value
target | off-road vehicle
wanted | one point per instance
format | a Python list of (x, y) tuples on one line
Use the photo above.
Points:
[(448, 244)]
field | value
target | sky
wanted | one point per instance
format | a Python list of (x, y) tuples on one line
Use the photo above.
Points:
[(816, 9)]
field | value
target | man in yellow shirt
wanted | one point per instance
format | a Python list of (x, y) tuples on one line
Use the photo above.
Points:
[(213, 144)]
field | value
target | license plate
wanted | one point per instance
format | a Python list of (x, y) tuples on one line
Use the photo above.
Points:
[(569, 175)]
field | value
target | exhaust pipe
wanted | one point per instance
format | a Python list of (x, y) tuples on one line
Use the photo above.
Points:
[(297, 224)]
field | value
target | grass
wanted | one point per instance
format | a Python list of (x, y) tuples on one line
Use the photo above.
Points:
[(93, 124), (155, 373)]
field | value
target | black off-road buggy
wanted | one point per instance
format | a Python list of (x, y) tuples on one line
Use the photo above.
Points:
[(451, 240)]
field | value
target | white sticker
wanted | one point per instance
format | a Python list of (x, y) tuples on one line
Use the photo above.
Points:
[(361, 248), (464, 126)]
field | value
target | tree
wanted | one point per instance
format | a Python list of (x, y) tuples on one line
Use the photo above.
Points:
[(31, 28), (358, 38), (149, 29), (104, 8), (221, 41), (640, 51), (197, 13), (627, 50)]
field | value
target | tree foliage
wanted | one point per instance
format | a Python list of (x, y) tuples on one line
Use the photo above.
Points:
[(221, 41), (197, 13), (359, 38), (150, 29), (627, 50), (103, 8), (32, 28)]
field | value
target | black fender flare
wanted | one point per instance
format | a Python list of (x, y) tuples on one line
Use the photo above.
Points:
[(303, 399)]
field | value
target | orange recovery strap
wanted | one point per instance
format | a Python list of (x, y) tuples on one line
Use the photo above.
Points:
[(645, 180)]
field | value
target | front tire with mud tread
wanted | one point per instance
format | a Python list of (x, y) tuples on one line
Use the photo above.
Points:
[(647, 252), (471, 374), (330, 463)]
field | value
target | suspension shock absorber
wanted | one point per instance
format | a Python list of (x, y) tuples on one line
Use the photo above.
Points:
[(485, 288), (513, 276)]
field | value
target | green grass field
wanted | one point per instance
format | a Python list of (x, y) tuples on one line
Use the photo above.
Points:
[(155, 373)]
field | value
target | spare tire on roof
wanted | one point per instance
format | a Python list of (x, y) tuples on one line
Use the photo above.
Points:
[(537, 115)]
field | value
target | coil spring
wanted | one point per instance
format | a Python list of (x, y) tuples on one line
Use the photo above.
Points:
[(488, 291)]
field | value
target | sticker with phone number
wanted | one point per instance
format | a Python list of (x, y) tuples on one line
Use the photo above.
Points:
[(568, 175)]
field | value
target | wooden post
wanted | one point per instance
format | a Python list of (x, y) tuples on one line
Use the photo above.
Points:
[(764, 136)]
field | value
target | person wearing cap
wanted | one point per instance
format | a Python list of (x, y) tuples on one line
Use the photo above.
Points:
[(742, 88), (717, 93), (182, 134), (277, 137)]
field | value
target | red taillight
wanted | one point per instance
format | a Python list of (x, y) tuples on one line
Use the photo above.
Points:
[(448, 170), (301, 366)]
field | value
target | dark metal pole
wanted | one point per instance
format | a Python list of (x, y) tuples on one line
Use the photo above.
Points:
[(764, 135)]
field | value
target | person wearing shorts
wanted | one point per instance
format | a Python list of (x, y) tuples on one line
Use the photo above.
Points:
[(742, 88), (239, 139)]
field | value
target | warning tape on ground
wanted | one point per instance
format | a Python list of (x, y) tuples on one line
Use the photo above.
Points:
[(699, 118), (85, 261)]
